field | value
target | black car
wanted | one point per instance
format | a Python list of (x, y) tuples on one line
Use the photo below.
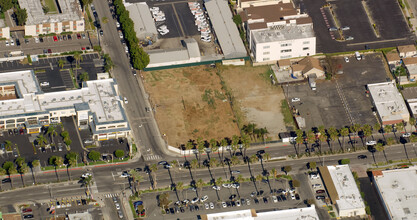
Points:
[(191, 208), (362, 156), (265, 200), (69, 37), (28, 216), (197, 208), (15, 131), (279, 198), (7, 180), (138, 169), (10, 131), (167, 211), (233, 203), (171, 210), (297, 197), (283, 198), (256, 201), (233, 196), (260, 193), (101, 33), (260, 152), (228, 204), (182, 209), (41, 39), (243, 201), (17, 42), (26, 41)]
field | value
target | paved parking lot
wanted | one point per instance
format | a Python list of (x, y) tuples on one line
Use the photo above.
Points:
[(31, 47), (393, 29), (341, 101)]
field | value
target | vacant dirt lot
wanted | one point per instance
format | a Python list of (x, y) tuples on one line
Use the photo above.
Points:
[(259, 101), (190, 104)]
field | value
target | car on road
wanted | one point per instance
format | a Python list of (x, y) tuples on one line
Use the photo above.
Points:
[(224, 205), (211, 205), (85, 175), (226, 185), (125, 100), (162, 163), (120, 214), (406, 135), (101, 32), (295, 99), (204, 198), (319, 191), (362, 156), (120, 34), (28, 216), (44, 84), (235, 171), (320, 197), (6, 180), (345, 28), (260, 152), (317, 185), (346, 59), (369, 143), (125, 174), (195, 200), (333, 29), (138, 169)]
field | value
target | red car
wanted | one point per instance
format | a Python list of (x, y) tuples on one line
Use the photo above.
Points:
[(78, 36), (26, 210), (49, 51), (55, 38)]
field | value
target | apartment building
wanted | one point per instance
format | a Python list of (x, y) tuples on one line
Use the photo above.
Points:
[(277, 32), (68, 19)]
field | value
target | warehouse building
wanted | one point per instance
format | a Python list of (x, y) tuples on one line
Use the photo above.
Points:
[(143, 22)]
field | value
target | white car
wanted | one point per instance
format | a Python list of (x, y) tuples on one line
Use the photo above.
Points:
[(125, 100), (292, 190), (226, 185), (11, 42), (126, 49), (117, 206), (406, 135), (224, 205), (44, 83), (292, 196), (369, 143), (211, 205), (345, 28), (238, 203), (247, 201), (346, 59), (125, 174), (216, 188), (204, 198), (295, 99), (117, 24), (274, 198), (317, 185), (195, 200), (236, 185), (120, 34), (206, 206), (85, 175), (36, 40), (7, 43)]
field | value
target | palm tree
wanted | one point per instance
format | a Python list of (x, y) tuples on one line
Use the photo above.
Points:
[(194, 164), (71, 162), (344, 132), (87, 181), (153, 168), (380, 147), (56, 161), (8, 145), (367, 131), (213, 162), (10, 169), (322, 139), (84, 77), (267, 156), (259, 178), (41, 140), (33, 164), (235, 142), (299, 140), (355, 129), (78, 58), (188, 147), (245, 139), (219, 181), (61, 63), (400, 126), (274, 172), (136, 178), (388, 128), (200, 149), (199, 184), (333, 135), (223, 145), (180, 187), (253, 158), (311, 139), (21, 167), (52, 133)]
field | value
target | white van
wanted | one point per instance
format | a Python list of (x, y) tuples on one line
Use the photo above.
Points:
[(357, 55)]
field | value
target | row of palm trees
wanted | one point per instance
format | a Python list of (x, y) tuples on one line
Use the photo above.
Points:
[(330, 135)]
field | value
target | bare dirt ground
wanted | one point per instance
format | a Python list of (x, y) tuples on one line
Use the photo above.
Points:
[(190, 103), (259, 101)]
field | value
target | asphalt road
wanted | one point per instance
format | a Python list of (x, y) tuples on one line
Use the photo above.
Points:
[(144, 128)]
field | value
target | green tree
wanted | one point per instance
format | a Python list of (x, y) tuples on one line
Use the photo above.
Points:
[(413, 122), (344, 132), (87, 181), (72, 161), (94, 155), (153, 168), (312, 165), (237, 19), (108, 63), (333, 134), (235, 160), (56, 161), (64, 134), (41, 140), (400, 126), (5, 5), (8, 145), (21, 16), (390, 141), (287, 169), (295, 183), (388, 128), (163, 200), (194, 163), (259, 178), (52, 133), (84, 77), (344, 161), (413, 138), (78, 58), (139, 57), (367, 131), (10, 169), (119, 153), (86, 3), (274, 172), (199, 184), (61, 63), (219, 181), (136, 178), (33, 164)]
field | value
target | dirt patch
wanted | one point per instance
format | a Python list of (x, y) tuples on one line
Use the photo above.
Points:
[(259, 101), (190, 103)]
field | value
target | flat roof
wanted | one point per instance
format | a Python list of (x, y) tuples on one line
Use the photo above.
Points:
[(142, 19), (70, 11), (226, 30), (306, 213), (100, 95), (406, 48), (192, 47), (388, 101), (412, 103), (160, 56), (348, 193), (284, 33), (398, 190)]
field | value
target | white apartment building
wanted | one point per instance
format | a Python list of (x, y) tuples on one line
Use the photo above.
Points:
[(97, 106), (69, 18), (279, 31)]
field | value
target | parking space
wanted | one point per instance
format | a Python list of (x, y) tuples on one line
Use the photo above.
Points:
[(36, 45), (341, 101), (114, 208), (317, 188), (393, 29)]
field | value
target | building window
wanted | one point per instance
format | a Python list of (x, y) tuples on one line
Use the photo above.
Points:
[(286, 45), (305, 48), (306, 42), (266, 59), (286, 57), (266, 53), (266, 47), (285, 51)]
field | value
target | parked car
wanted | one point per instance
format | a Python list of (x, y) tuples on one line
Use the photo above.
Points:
[(362, 156), (320, 197), (211, 205), (319, 191), (224, 205), (195, 200), (226, 185), (206, 206), (346, 59), (204, 198), (274, 198), (371, 143), (85, 175), (26, 210), (55, 38), (295, 99), (406, 135), (332, 29), (235, 171), (317, 185), (345, 28)]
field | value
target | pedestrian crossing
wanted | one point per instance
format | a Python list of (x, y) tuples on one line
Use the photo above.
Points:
[(111, 195), (151, 157)]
